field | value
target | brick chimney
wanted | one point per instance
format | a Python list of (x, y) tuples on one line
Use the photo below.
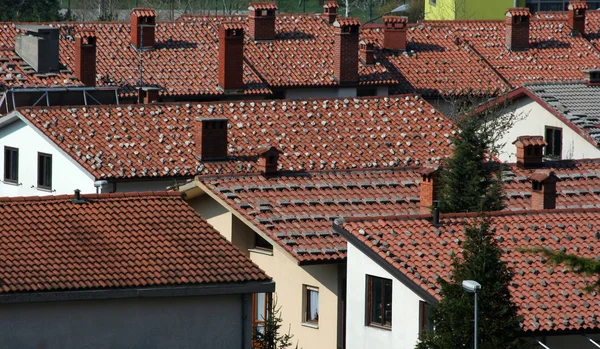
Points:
[(231, 57), (517, 29), (592, 77), (211, 138), (262, 20), (429, 188), (330, 9), (577, 9), (143, 21), (394, 33), (346, 50), (85, 57), (268, 158), (529, 151), (543, 191), (367, 51)]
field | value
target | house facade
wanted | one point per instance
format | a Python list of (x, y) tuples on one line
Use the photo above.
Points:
[(397, 264), (130, 271)]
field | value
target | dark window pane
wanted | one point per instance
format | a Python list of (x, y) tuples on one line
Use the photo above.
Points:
[(376, 308), (45, 171), (557, 142), (387, 298)]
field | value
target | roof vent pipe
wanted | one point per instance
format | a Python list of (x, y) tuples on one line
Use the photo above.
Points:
[(435, 214), (77, 199)]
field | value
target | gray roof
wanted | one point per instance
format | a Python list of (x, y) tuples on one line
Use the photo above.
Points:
[(579, 103)]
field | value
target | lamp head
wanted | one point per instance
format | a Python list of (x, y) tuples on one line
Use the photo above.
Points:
[(471, 286), (402, 8), (101, 183)]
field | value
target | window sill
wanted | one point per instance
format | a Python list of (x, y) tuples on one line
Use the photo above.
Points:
[(11, 183), (47, 190), (261, 251), (387, 328), (310, 324)]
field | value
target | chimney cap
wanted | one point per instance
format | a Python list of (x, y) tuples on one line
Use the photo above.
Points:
[(368, 42), (263, 5), (347, 22), (395, 19), (429, 170), (143, 12), (518, 12), (86, 33), (542, 177), (331, 4), (526, 141), (232, 25), (578, 5)]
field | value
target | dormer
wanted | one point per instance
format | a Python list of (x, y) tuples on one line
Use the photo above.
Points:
[(530, 151), (517, 29), (268, 159), (143, 27)]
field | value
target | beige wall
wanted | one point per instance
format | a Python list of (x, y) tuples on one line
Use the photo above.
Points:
[(289, 278)]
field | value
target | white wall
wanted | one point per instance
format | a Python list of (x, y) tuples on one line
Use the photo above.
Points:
[(536, 118), (66, 175), (405, 308)]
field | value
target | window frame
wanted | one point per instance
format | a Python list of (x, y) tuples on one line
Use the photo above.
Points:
[(267, 306), (306, 305), (9, 165), (550, 150), (425, 325), (44, 186), (369, 321)]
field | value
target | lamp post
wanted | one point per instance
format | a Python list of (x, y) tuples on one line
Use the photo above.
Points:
[(401, 8), (472, 286)]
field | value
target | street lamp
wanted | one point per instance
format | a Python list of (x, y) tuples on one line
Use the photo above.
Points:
[(472, 286), (400, 8)]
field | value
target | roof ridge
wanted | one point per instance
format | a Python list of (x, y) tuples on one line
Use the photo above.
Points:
[(103, 196)]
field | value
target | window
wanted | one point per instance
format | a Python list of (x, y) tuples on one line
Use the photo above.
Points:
[(433, 2), (425, 326), (311, 305), (554, 140), (261, 243), (44, 171), (260, 310), (11, 165), (379, 301)]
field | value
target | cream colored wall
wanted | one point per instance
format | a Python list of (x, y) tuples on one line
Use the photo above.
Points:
[(289, 278)]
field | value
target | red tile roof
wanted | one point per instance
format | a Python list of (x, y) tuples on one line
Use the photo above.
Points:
[(518, 11), (296, 210), (263, 6), (158, 140), (578, 5), (346, 21), (331, 4), (113, 241), (526, 141), (550, 298), (144, 12)]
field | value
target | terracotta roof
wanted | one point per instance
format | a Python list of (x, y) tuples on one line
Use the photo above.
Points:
[(144, 12), (263, 5), (158, 140), (395, 19), (331, 4), (578, 5), (518, 11), (296, 210), (549, 298), (346, 21), (113, 241), (542, 176), (526, 141)]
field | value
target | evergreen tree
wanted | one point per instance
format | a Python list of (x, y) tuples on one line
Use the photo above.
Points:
[(467, 182), (453, 317), (29, 10), (270, 336)]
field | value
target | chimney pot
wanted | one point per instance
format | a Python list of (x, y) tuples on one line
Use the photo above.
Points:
[(268, 158), (231, 57), (85, 57), (543, 190), (367, 51), (346, 50), (211, 138), (330, 9), (262, 20), (577, 9), (530, 151), (429, 188), (143, 22), (517, 29), (394, 33)]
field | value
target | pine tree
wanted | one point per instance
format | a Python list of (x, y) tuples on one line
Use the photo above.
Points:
[(29, 10), (452, 318), (270, 336), (468, 183)]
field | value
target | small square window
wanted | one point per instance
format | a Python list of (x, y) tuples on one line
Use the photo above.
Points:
[(379, 301), (11, 165), (311, 305), (44, 180)]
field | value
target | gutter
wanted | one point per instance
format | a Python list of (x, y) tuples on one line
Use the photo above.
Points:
[(141, 292)]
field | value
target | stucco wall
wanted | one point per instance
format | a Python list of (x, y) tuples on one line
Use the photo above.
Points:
[(66, 176), (145, 323), (288, 276), (535, 119), (404, 333), (322, 92), (468, 9)]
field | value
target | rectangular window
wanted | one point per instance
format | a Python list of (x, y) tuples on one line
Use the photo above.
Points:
[(260, 311), (44, 171), (261, 243), (11, 165), (425, 326), (379, 301), (311, 305), (554, 140)]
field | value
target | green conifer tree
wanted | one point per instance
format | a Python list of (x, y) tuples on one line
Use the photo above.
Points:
[(468, 181), (453, 317)]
